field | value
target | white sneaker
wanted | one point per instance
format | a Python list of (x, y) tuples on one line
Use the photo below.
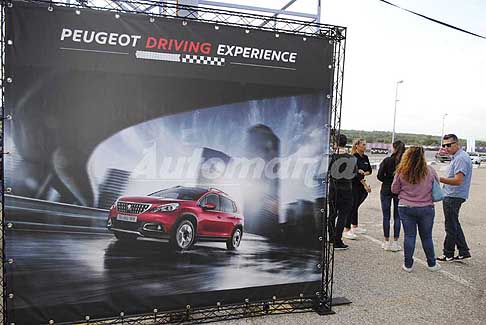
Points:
[(349, 235), (407, 269), (359, 230), (395, 246), (386, 246), (434, 268)]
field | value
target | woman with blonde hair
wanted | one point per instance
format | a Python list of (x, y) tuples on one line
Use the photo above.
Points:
[(360, 188), (413, 182)]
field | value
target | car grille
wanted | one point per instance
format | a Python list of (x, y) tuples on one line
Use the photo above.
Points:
[(125, 225), (135, 208)]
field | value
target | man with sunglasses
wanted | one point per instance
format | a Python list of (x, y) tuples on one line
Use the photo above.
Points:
[(456, 192)]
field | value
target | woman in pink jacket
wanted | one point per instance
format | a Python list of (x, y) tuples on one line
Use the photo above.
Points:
[(413, 184)]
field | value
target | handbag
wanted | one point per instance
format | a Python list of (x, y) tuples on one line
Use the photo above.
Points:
[(437, 194)]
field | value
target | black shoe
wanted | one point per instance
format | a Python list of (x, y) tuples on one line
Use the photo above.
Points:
[(444, 258), (462, 257), (340, 246)]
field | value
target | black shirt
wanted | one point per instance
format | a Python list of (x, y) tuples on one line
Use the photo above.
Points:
[(364, 164), (343, 169), (386, 173)]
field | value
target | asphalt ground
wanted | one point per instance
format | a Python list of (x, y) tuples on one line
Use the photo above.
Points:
[(382, 293)]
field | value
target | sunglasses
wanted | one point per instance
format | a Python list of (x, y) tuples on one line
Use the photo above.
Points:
[(448, 145)]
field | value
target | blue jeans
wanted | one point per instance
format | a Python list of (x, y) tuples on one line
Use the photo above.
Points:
[(423, 219), (454, 234), (386, 202)]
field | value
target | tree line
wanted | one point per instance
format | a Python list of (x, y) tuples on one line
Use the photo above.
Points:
[(408, 138)]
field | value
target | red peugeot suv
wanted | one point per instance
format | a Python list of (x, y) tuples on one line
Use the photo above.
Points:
[(178, 215)]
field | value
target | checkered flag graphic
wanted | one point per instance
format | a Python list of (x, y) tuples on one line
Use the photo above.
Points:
[(201, 59)]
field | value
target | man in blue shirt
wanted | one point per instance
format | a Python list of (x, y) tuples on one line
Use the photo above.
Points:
[(456, 192)]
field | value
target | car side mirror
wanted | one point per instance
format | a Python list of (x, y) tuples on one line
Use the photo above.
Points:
[(209, 206)]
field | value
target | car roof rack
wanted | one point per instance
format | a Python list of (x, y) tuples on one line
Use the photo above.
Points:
[(217, 189)]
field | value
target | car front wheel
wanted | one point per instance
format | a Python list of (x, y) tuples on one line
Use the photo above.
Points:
[(234, 241), (184, 235)]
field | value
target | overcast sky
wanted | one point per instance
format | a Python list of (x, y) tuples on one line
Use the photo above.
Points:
[(444, 71)]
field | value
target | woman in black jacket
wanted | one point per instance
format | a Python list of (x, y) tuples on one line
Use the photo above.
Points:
[(385, 175), (360, 188)]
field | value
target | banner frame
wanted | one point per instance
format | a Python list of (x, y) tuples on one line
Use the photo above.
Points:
[(323, 300)]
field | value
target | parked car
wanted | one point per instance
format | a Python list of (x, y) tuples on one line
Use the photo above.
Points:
[(483, 156), (475, 158), (379, 151), (442, 155), (178, 215)]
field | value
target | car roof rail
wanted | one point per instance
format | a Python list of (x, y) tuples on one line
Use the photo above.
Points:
[(217, 189)]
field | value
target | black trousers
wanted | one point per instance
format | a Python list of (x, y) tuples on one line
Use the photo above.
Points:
[(454, 234), (359, 195), (340, 208)]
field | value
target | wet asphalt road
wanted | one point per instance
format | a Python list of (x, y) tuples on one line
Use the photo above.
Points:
[(74, 270)]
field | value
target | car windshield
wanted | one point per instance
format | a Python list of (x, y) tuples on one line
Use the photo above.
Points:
[(182, 193)]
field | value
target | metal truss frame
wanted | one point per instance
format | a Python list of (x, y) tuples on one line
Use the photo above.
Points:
[(326, 296), (283, 11), (153, 9), (216, 313), (3, 80), (322, 301)]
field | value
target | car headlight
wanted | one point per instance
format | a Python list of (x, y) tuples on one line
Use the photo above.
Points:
[(166, 207)]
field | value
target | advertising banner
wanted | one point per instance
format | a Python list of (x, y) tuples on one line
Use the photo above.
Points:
[(159, 163)]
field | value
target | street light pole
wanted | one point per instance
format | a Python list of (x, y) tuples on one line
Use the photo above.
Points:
[(395, 113), (442, 134)]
